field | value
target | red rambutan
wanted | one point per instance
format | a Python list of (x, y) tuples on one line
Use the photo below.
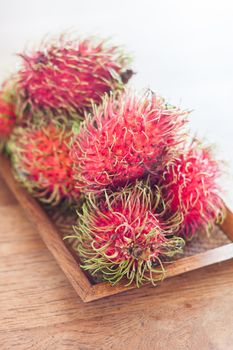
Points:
[(126, 138), (67, 76), (7, 112), (7, 117), (189, 184), (122, 234), (41, 161)]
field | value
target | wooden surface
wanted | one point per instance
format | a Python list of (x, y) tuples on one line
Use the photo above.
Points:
[(40, 310)]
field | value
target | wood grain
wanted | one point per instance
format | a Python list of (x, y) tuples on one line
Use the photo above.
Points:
[(39, 310)]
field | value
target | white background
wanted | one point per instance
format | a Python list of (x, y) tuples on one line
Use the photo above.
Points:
[(182, 49)]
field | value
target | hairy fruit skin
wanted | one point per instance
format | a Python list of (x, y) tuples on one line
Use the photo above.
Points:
[(68, 76), (7, 117), (7, 111), (190, 185), (126, 138), (41, 162), (123, 235)]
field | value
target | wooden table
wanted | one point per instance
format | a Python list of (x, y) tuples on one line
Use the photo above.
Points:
[(39, 309)]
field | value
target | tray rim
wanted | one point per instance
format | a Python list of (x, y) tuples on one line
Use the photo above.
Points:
[(66, 260)]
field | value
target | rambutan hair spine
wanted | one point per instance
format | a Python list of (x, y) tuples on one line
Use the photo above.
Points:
[(126, 138), (41, 161), (122, 235), (66, 75), (191, 183)]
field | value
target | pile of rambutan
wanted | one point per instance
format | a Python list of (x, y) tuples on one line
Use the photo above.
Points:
[(78, 139), (54, 88)]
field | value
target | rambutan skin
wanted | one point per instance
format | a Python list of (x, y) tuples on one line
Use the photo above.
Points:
[(125, 139), (190, 184), (122, 235), (41, 162), (69, 75), (7, 111)]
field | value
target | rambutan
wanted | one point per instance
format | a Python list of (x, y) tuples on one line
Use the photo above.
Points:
[(66, 76), (7, 112), (7, 117), (123, 234), (41, 162), (125, 139), (190, 184)]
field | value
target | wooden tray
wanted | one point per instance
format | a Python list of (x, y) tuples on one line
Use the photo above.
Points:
[(202, 251)]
